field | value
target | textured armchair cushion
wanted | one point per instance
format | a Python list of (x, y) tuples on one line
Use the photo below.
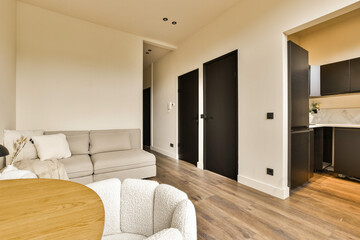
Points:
[(139, 202), (184, 219), (109, 192), (78, 166), (109, 141), (165, 202), (122, 160), (137, 206), (167, 234), (79, 141), (125, 236)]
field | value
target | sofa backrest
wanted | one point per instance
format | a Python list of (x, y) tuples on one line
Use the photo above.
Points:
[(79, 141), (114, 140)]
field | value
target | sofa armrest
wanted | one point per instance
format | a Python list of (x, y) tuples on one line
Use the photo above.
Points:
[(184, 219), (166, 234)]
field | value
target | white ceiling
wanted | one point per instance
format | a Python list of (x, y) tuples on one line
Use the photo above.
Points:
[(143, 17), (155, 54)]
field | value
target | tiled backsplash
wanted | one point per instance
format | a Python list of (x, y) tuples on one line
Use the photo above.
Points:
[(337, 116)]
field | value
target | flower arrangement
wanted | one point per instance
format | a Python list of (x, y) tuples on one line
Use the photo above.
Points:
[(315, 107), (18, 146)]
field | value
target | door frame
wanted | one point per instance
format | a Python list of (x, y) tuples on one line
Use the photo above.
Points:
[(178, 115), (235, 52)]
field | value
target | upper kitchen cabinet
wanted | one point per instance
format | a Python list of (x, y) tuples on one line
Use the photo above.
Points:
[(355, 75), (335, 78), (298, 60)]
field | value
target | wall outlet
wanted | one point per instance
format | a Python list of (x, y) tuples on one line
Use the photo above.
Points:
[(171, 145), (270, 171)]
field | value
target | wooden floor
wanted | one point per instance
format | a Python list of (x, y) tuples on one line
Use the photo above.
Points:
[(327, 208)]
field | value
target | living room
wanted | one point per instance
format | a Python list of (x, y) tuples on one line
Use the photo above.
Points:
[(63, 69)]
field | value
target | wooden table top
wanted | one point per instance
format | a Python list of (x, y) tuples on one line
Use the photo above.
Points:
[(45, 209)]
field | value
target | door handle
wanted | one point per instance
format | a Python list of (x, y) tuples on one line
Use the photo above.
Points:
[(203, 116)]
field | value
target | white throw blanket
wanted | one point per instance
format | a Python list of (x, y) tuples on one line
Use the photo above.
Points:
[(44, 169), (11, 172)]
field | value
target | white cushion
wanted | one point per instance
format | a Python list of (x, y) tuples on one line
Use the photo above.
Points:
[(52, 146), (137, 205), (124, 236), (166, 199), (109, 192), (28, 152)]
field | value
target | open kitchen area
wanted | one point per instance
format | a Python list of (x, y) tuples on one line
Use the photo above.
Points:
[(324, 100)]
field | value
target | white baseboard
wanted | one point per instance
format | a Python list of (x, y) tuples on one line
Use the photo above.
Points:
[(264, 187), (164, 152)]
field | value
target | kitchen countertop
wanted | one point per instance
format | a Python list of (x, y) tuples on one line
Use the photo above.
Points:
[(334, 125)]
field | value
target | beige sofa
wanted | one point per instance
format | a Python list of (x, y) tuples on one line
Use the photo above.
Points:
[(103, 154)]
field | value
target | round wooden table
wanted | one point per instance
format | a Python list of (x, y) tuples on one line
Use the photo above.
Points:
[(49, 209)]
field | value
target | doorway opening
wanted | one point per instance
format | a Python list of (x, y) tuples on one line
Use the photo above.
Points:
[(151, 53), (323, 81)]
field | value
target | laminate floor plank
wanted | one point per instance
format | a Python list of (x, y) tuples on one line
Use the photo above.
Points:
[(325, 208)]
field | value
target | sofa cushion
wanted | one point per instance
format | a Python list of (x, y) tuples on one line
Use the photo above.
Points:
[(109, 141), (122, 160), (78, 166), (79, 141), (52, 146), (135, 135), (124, 236), (137, 206)]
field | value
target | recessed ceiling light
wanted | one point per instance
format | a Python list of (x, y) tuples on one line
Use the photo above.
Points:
[(165, 19), (174, 23), (149, 50)]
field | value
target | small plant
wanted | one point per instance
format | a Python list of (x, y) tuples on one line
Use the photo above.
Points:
[(18, 146), (315, 107)]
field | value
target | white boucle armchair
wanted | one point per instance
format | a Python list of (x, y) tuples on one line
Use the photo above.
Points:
[(142, 209)]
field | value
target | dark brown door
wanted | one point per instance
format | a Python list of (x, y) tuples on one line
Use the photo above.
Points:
[(188, 99), (146, 116), (220, 115)]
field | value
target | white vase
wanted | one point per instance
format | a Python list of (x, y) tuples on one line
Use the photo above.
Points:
[(311, 118)]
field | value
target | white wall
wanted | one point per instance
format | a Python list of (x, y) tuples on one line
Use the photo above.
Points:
[(147, 77), (256, 30), (72, 74), (7, 66)]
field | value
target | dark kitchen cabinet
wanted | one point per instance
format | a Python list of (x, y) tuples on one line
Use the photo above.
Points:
[(318, 148), (312, 153), (335, 78), (347, 151), (355, 75), (328, 144), (298, 86), (300, 154)]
